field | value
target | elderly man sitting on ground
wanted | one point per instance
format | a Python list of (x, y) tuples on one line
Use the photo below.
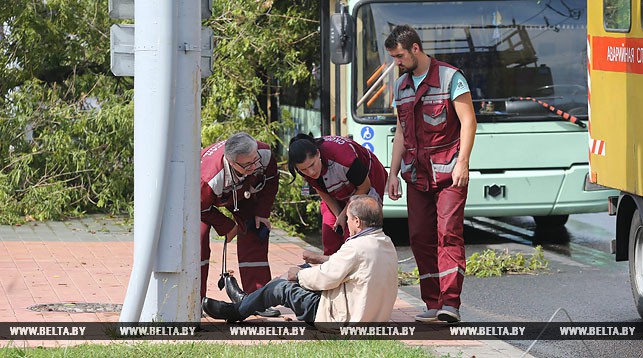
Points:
[(358, 283)]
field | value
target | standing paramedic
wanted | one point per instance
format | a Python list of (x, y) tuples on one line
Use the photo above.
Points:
[(337, 168), (241, 175), (433, 140)]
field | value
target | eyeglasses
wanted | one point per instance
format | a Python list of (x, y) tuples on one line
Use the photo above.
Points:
[(245, 166)]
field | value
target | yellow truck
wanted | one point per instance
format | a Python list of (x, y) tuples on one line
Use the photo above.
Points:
[(615, 77)]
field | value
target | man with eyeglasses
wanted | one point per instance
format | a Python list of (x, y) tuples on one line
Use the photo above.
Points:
[(241, 175)]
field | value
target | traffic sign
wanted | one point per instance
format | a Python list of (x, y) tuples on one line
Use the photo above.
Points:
[(207, 46), (121, 9), (124, 9), (206, 9), (121, 41), (121, 44)]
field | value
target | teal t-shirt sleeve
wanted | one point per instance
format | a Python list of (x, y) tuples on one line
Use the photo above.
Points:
[(459, 85)]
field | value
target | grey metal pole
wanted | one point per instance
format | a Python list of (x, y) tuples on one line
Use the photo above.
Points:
[(173, 294), (165, 275), (154, 76)]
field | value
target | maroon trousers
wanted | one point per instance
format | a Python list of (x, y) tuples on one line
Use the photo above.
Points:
[(331, 241), (252, 255), (436, 227)]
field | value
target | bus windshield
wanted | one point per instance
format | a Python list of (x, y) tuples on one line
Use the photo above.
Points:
[(507, 50)]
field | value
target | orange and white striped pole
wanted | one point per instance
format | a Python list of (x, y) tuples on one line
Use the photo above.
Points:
[(596, 146), (553, 109)]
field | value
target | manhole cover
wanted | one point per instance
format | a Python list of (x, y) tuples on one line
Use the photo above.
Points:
[(76, 307)]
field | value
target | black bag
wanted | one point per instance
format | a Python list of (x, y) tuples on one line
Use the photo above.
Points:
[(235, 293)]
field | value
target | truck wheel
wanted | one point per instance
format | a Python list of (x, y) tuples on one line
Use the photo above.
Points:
[(551, 221), (636, 261)]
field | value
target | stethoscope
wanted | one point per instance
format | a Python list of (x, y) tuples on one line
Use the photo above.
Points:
[(248, 193)]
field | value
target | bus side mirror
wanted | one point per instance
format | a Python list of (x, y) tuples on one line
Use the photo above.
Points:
[(341, 39)]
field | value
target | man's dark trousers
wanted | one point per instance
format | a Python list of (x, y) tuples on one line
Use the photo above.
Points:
[(303, 302)]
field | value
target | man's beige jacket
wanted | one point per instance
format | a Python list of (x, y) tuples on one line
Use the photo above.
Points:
[(358, 282)]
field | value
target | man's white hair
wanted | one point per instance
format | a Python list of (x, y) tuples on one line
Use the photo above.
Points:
[(239, 143)]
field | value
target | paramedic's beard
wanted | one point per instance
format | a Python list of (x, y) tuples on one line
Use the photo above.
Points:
[(409, 70)]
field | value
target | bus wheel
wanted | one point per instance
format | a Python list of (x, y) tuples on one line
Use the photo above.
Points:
[(551, 221), (636, 261)]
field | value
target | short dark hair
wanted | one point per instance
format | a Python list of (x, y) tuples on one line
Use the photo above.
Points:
[(404, 35), (367, 209)]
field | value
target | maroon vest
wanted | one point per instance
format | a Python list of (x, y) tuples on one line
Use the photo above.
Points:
[(430, 126)]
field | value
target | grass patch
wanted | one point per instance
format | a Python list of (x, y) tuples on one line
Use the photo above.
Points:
[(201, 349)]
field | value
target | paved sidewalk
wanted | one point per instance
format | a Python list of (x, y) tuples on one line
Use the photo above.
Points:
[(88, 261)]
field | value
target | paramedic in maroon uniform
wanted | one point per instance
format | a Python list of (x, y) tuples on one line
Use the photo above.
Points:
[(433, 140), (337, 168), (241, 175)]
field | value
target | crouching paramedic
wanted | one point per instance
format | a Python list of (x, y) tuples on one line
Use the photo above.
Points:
[(241, 175)]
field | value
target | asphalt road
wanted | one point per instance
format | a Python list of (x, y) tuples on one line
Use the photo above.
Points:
[(583, 281)]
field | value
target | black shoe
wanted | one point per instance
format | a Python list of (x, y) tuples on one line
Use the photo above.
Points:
[(235, 293), (269, 312), (220, 310)]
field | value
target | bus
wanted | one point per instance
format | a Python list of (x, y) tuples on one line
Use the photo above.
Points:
[(615, 73), (525, 62)]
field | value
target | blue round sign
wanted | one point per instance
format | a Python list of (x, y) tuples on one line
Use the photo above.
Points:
[(367, 133), (368, 146)]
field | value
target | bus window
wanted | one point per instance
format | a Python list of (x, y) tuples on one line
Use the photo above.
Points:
[(617, 15), (506, 50)]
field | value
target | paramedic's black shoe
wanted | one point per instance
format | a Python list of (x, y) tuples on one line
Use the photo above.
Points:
[(269, 312), (220, 310)]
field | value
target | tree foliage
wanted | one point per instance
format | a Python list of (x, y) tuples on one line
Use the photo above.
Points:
[(52, 41), (66, 123), (260, 47), (295, 212), (495, 263)]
